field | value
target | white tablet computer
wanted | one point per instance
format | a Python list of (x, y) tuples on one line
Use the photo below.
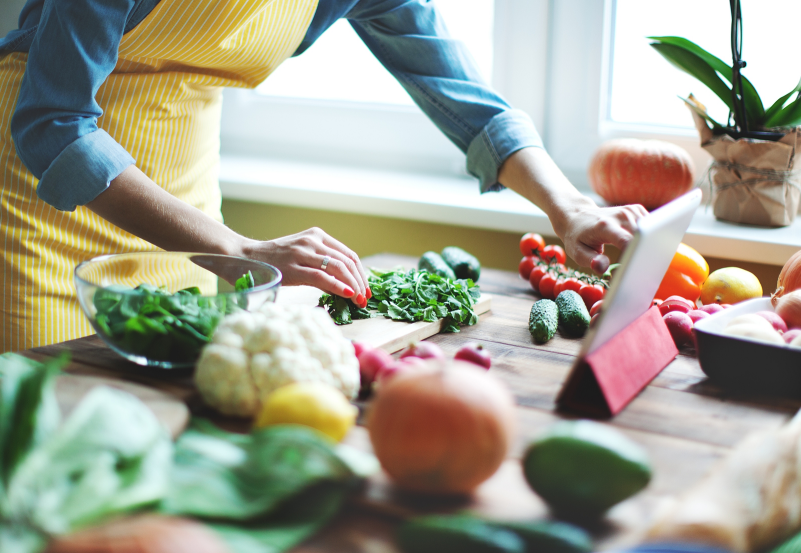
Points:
[(605, 389), (642, 266)]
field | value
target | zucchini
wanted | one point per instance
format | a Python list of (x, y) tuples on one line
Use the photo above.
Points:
[(543, 320), (573, 315), (457, 534), (434, 264), (464, 265)]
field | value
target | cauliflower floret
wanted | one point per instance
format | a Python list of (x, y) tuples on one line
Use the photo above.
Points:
[(252, 354)]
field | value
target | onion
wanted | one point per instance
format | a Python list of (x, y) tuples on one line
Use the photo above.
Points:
[(789, 278), (141, 534), (443, 428), (789, 309)]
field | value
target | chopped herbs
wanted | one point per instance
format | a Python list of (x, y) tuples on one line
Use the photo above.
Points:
[(151, 322), (411, 296)]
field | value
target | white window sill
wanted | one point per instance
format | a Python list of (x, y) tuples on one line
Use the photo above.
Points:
[(456, 201)]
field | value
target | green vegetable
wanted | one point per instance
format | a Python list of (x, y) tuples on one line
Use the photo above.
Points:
[(456, 534), (110, 456), (433, 263), (573, 315), (464, 265), (412, 296), (582, 468), (543, 320), (150, 322), (550, 537)]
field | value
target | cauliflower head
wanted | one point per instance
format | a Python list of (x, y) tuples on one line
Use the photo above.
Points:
[(253, 353)]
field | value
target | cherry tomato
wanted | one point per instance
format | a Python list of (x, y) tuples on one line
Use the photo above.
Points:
[(526, 264), (596, 307), (536, 274), (554, 252), (559, 287), (546, 286), (572, 283), (592, 293), (531, 244)]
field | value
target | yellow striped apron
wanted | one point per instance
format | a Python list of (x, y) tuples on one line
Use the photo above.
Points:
[(162, 104)]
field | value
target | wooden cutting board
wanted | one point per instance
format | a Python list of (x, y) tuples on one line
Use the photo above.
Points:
[(378, 332)]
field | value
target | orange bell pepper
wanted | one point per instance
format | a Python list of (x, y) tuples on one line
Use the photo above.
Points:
[(684, 277)]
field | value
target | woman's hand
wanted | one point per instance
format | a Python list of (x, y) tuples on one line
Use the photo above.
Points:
[(300, 258), (583, 226), (587, 228)]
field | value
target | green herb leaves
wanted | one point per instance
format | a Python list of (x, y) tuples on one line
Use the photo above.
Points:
[(411, 296), (697, 62), (153, 323)]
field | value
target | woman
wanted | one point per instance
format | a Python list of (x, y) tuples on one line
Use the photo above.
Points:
[(114, 105)]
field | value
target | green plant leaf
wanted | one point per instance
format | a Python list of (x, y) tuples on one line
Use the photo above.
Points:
[(110, 456), (753, 103), (17, 538), (789, 116), (696, 67), (779, 104), (702, 113), (214, 477)]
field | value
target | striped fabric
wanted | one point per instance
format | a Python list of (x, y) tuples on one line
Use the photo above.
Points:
[(162, 104)]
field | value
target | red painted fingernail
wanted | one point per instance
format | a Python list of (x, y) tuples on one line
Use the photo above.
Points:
[(349, 292), (369, 293), (360, 300)]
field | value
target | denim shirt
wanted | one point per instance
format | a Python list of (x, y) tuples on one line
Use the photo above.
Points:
[(72, 47)]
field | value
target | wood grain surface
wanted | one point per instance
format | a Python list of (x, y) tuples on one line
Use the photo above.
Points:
[(685, 422)]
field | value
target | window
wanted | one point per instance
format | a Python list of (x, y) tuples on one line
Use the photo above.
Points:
[(315, 108)]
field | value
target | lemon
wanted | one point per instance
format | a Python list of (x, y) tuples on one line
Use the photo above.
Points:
[(314, 404), (730, 285)]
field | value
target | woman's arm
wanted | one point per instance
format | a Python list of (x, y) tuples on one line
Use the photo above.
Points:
[(137, 205)]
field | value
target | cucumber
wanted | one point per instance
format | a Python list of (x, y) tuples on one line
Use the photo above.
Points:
[(543, 320), (550, 537), (573, 315), (464, 265), (457, 534), (582, 468), (434, 264)]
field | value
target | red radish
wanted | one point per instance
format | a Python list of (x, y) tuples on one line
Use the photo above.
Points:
[(685, 301), (399, 366), (656, 302), (670, 305), (423, 350), (777, 322), (474, 353), (791, 335), (725, 305), (359, 347), (680, 326), (371, 363), (712, 308), (596, 307), (696, 315)]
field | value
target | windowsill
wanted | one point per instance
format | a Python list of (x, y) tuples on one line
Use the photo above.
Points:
[(456, 201)]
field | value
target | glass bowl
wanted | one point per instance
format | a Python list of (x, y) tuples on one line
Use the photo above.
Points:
[(160, 308)]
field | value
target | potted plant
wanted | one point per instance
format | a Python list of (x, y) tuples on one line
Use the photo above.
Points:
[(753, 177)]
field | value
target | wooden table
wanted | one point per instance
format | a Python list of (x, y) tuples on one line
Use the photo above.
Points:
[(685, 422)]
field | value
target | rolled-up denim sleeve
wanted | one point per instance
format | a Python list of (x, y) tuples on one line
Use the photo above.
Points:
[(410, 39), (54, 126)]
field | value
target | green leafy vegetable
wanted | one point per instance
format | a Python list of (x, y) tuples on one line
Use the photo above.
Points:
[(151, 322), (110, 456), (411, 296)]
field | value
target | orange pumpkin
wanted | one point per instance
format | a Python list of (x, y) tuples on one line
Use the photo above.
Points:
[(443, 428), (648, 172)]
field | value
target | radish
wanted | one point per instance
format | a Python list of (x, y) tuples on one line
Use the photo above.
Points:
[(696, 315), (423, 350), (371, 363), (774, 319), (680, 326), (474, 353)]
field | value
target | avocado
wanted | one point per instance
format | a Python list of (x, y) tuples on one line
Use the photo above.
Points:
[(434, 264), (543, 320), (464, 265), (457, 534), (573, 315), (582, 468)]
